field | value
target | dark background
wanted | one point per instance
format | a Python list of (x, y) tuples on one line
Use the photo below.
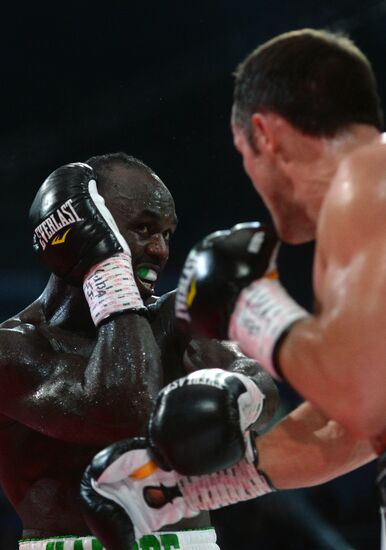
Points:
[(154, 79)]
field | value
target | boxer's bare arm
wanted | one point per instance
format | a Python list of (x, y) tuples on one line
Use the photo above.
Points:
[(67, 396), (336, 359), (306, 449)]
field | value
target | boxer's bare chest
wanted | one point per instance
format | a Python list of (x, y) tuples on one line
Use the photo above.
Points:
[(46, 453), (41, 474)]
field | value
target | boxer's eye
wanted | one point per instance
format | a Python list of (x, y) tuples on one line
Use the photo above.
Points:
[(167, 235), (143, 229)]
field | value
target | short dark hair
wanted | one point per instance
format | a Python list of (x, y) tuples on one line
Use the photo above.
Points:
[(318, 80), (103, 166)]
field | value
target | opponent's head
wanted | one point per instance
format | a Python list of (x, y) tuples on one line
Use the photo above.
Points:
[(143, 209), (291, 95)]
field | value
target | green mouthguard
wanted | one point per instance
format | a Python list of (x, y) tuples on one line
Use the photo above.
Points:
[(143, 272)]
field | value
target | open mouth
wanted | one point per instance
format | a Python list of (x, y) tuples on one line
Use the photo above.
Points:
[(147, 277)]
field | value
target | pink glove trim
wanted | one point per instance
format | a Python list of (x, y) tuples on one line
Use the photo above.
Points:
[(209, 492)]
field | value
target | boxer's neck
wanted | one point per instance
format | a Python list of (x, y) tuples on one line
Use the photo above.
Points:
[(312, 174), (354, 136)]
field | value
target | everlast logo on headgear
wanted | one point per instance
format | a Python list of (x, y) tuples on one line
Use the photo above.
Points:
[(63, 216)]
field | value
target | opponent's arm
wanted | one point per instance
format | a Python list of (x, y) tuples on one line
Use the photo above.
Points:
[(337, 358), (306, 448), (109, 395)]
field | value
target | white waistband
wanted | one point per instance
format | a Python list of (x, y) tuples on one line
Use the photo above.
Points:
[(194, 539), (61, 543)]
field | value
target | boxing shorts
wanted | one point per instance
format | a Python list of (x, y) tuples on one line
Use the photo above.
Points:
[(193, 539)]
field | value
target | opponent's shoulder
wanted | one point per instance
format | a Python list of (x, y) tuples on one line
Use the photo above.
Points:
[(357, 193), (353, 211), (161, 317), (361, 175), (370, 155), (204, 353), (162, 305), (172, 342)]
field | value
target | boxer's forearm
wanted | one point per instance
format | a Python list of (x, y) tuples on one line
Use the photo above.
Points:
[(307, 449), (334, 360), (125, 368)]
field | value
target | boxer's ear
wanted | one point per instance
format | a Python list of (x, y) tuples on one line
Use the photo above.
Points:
[(274, 136), (254, 142), (292, 149), (263, 135)]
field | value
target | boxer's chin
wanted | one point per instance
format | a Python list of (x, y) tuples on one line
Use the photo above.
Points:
[(146, 277), (296, 239), (146, 288), (299, 234)]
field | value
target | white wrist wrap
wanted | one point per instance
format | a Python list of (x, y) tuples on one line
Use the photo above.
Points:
[(209, 492), (109, 287), (263, 312)]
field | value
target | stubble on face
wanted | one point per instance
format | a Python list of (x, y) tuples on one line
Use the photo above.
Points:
[(276, 190)]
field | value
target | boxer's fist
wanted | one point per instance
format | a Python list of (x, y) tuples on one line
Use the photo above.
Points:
[(216, 271), (73, 229), (199, 422)]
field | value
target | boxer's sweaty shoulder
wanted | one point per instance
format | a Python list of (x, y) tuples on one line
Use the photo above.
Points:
[(350, 285), (352, 217), (171, 342)]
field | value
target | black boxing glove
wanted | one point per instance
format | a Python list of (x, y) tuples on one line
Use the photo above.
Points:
[(125, 496), (73, 229), (78, 239), (199, 422), (215, 272)]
